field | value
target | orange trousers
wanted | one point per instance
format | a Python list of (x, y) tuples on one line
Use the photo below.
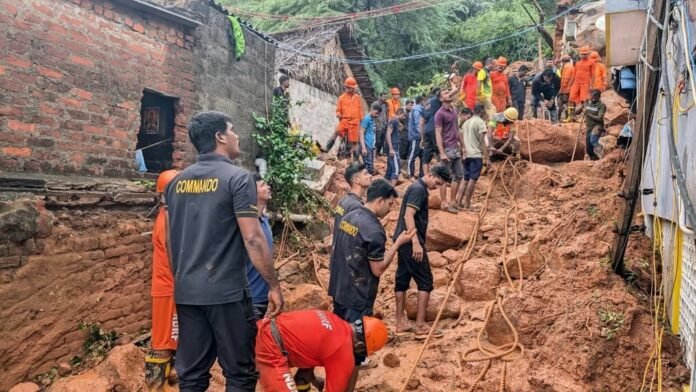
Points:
[(579, 92)]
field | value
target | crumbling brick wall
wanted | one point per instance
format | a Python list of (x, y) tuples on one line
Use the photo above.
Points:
[(72, 74), (76, 252)]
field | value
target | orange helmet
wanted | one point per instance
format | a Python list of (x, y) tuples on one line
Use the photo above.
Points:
[(164, 178), (375, 334), (395, 90), (351, 83), (502, 61), (585, 50), (477, 65)]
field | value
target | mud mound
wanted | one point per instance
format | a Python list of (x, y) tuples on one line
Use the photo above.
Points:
[(549, 142)]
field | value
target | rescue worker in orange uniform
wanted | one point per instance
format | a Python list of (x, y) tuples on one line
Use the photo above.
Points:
[(582, 81), (567, 71), (394, 103), (309, 338), (164, 335), (503, 138), (349, 112), (501, 89), (599, 81), (468, 88)]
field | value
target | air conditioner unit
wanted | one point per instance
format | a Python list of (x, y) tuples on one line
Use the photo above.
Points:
[(624, 24)]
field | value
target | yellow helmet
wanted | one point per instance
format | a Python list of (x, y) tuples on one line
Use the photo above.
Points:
[(511, 114)]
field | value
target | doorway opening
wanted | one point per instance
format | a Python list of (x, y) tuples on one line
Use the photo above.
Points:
[(156, 135)]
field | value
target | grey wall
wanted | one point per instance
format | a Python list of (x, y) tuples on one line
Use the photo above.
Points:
[(238, 88), (314, 110)]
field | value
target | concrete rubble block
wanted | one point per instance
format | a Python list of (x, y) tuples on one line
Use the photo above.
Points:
[(531, 259), (122, 370), (437, 297), (320, 176), (549, 142), (479, 280), (307, 296), (446, 230), (314, 169)]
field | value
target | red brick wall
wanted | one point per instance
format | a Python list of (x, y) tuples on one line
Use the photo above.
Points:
[(72, 74)]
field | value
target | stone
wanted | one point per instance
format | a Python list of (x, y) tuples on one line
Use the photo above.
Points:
[(549, 142), (437, 296), (453, 256), (534, 177), (436, 260), (25, 387), (608, 144), (434, 201), (120, 371), (441, 277), (314, 169), (587, 33), (617, 109), (64, 369), (391, 360), (531, 260), (18, 219), (307, 296), (497, 330), (446, 230), (479, 280), (413, 384)]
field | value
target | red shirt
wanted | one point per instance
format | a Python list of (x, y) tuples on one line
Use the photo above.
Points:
[(317, 338), (584, 71), (162, 277)]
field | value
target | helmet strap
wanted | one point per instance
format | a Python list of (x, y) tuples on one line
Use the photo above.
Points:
[(359, 344)]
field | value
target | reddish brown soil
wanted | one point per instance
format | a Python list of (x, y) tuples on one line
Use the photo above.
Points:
[(569, 210)]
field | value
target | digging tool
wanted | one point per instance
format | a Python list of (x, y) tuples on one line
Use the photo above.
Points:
[(577, 136)]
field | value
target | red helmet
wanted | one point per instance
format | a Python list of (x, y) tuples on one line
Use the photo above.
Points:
[(502, 61), (164, 178)]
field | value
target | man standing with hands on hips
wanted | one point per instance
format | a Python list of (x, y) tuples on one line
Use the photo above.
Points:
[(212, 226)]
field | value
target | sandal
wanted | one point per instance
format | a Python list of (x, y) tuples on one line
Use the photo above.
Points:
[(405, 332), (436, 334)]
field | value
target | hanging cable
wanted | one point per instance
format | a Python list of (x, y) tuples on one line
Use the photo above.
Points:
[(334, 59)]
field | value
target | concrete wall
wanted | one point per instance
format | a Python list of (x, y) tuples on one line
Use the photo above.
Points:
[(313, 110), (238, 88), (72, 74)]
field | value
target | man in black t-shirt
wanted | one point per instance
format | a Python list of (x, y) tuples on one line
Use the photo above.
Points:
[(212, 227), (359, 179), (282, 91), (413, 259)]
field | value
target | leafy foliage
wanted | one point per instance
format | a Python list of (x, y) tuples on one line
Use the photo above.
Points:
[(286, 151), (611, 323), (97, 344), (448, 24)]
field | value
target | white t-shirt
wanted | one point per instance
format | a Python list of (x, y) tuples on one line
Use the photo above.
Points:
[(470, 131)]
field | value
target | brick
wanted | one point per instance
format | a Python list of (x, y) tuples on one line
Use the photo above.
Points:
[(109, 14), (18, 62), (10, 85), (22, 24), (19, 126), (12, 111), (92, 129), (17, 151), (116, 251), (9, 9), (71, 102), (128, 22), (85, 95), (10, 262), (40, 142), (49, 73), (79, 60), (56, 28), (139, 28), (2, 70)]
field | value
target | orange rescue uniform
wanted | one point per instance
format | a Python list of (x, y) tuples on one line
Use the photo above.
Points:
[(501, 90), (468, 90), (600, 77), (349, 110), (165, 329), (567, 74), (311, 338), (392, 106), (582, 81)]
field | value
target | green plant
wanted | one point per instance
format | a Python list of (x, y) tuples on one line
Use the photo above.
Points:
[(611, 322), (46, 378), (97, 344), (593, 210), (423, 89), (605, 261), (286, 150)]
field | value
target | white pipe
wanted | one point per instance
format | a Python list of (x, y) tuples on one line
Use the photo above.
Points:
[(262, 166)]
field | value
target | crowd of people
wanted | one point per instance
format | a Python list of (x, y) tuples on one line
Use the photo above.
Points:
[(214, 288)]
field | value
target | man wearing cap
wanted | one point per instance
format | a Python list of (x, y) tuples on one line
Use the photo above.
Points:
[(599, 80), (165, 328), (484, 87), (469, 85), (518, 89), (349, 113), (394, 103), (544, 91), (501, 89), (582, 81), (503, 135), (309, 338), (567, 71)]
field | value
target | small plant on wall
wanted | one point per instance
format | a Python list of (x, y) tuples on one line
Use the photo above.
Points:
[(286, 151)]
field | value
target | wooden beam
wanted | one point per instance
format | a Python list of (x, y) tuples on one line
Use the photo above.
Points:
[(647, 97)]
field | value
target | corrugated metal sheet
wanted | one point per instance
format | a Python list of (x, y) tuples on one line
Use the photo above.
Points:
[(687, 314)]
